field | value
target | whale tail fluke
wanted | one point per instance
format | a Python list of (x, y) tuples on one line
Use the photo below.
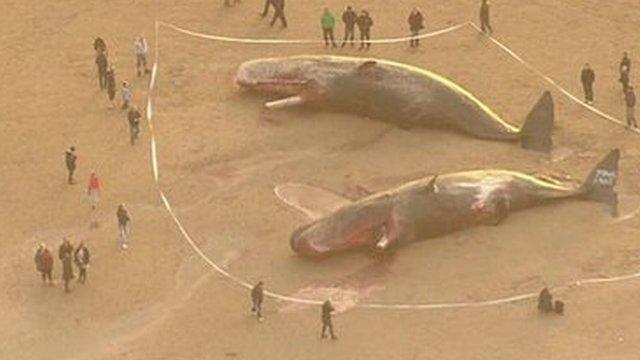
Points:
[(601, 181), (536, 131)]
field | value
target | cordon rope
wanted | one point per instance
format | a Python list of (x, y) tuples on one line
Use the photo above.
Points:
[(388, 306)]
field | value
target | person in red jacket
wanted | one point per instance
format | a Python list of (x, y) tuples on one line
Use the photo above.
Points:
[(93, 190), (44, 263)]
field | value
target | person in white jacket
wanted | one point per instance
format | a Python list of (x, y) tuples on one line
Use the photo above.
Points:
[(141, 48)]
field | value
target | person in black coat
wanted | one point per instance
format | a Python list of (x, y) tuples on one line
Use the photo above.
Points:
[(349, 18), (416, 23), (82, 257), (257, 296), (133, 117), (364, 23), (279, 13), (587, 77), (485, 23), (327, 311), (70, 161)]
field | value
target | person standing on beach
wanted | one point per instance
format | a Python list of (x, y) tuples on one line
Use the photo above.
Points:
[(133, 117), (93, 190), (587, 77), (141, 49), (416, 24), (123, 222), (70, 161), (44, 263), (82, 257), (349, 18), (328, 22), (257, 295), (364, 23), (327, 311), (485, 22)]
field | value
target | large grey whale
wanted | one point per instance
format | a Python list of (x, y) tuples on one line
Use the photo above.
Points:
[(381, 89), (432, 207)]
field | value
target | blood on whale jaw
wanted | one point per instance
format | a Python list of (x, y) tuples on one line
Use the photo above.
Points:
[(310, 241)]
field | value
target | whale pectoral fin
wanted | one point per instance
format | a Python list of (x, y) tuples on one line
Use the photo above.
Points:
[(284, 103), (311, 201)]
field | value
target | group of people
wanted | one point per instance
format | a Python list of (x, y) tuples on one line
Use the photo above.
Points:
[(326, 311), (546, 305), (67, 256), (107, 80), (351, 19), (588, 78), (80, 255), (363, 21)]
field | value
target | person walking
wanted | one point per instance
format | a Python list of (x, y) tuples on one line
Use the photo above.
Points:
[(328, 22), (587, 77), (123, 222), (111, 84), (416, 23), (327, 311), (267, 5), (349, 18), (67, 271), (279, 13), (485, 23), (133, 117), (102, 63), (630, 100), (82, 257), (141, 49), (70, 159), (93, 190), (364, 23), (44, 263), (257, 295), (127, 95)]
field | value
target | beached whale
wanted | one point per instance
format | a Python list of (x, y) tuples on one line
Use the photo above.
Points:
[(381, 89), (432, 207)]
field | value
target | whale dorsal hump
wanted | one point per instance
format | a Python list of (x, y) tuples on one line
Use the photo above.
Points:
[(367, 65)]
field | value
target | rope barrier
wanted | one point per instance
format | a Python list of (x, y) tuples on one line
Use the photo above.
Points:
[(398, 306)]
